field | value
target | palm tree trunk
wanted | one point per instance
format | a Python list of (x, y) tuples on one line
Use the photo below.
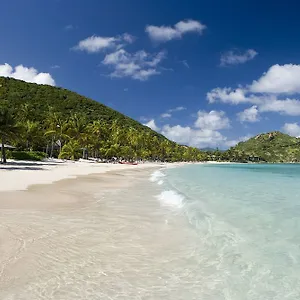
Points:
[(52, 146), (3, 154)]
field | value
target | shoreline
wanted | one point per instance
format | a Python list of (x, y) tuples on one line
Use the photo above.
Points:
[(20, 175), (79, 237)]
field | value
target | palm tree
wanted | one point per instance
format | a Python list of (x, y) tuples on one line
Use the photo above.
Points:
[(58, 130), (133, 141), (117, 135), (53, 124), (8, 128), (71, 150), (97, 135), (25, 112), (30, 132), (78, 126)]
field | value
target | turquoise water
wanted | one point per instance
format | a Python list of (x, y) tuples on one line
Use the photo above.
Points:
[(247, 219)]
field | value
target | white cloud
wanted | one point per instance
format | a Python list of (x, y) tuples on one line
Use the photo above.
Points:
[(166, 115), (178, 108), (232, 143), (249, 115), (169, 112), (26, 74), (151, 124), (140, 65), (279, 79), (235, 58), (227, 95), (292, 129), (265, 93), (287, 107), (128, 38), (94, 44), (204, 133), (55, 67), (193, 137), (168, 33), (213, 120)]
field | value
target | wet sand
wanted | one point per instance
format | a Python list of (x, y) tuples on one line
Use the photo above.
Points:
[(95, 237)]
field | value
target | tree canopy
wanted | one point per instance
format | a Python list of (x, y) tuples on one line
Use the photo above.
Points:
[(65, 124)]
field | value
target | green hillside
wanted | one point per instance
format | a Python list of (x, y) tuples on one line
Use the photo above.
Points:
[(43, 97), (271, 147), (61, 122)]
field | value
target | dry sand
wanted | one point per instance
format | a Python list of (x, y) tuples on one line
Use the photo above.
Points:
[(19, 175)]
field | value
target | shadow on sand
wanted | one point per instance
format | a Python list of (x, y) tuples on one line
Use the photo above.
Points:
[(11, 168), (25, 166)]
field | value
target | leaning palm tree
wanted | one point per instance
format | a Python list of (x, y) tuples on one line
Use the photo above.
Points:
[(8, 128)]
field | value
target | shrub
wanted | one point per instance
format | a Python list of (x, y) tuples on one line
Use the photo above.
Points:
[(26, 155)]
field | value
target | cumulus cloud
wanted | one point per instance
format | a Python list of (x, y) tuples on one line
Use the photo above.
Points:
[(168, 33), (234, 57), (267, 93), (213, 120), (279, 80), (204, 133), (193, 137), (227, 95), (26, 74), (140, 65), (287, 107), (249, 115), (151, 124), (95, 44), (292, 129), (232, 143)]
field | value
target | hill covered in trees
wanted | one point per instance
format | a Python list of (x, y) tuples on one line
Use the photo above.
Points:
[(270, 147), (65, 124)]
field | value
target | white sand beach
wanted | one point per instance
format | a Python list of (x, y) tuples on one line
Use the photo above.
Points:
[(19, 175), (98, 236)]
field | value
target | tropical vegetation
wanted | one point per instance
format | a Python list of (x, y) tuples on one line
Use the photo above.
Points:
[(270, 147), (43, 121), (60, 123)]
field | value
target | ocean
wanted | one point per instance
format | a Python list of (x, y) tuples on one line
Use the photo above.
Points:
[(245, 223)]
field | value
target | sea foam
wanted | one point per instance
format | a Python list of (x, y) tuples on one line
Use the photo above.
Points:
[(170, 199), (157, 177)]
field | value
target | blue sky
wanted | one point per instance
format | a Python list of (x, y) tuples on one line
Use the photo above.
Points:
[(204, 73)]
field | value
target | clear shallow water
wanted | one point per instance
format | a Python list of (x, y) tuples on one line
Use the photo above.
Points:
[(247, 220)]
